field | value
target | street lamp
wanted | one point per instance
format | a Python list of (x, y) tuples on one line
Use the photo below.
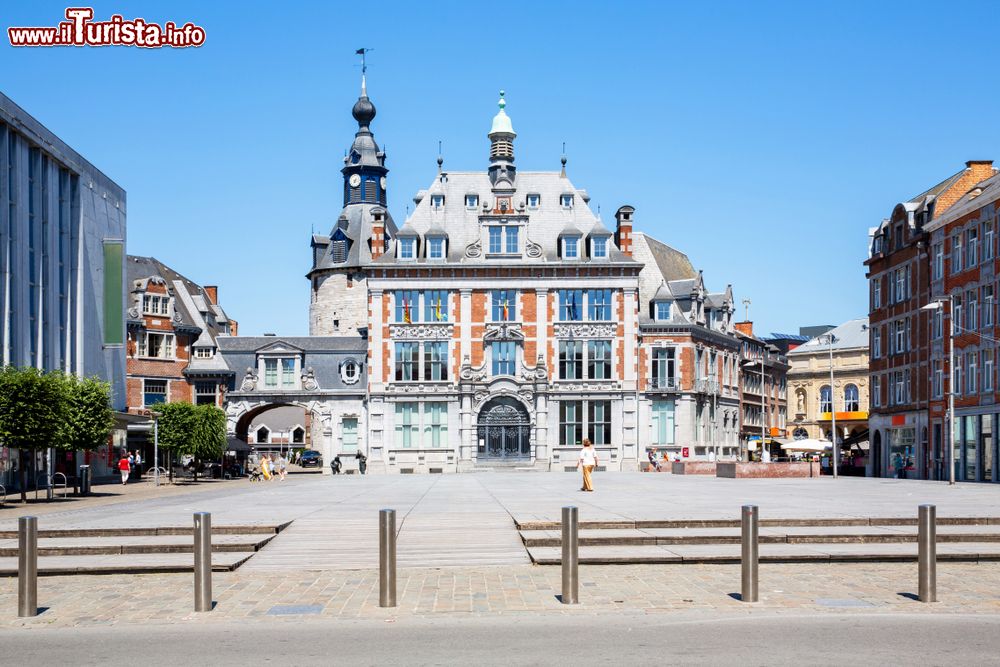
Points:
[(830, 340), (156, 445), (938, 304)]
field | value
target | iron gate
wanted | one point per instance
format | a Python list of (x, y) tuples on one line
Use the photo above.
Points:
[(504, 431)]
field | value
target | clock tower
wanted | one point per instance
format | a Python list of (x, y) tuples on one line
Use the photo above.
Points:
[(338, 278)]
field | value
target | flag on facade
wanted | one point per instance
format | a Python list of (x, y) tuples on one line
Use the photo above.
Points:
[(506, 311), (406, 313), (437, 310)]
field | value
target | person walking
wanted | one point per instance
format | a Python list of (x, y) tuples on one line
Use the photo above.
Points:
[(125, 468), (137, 468), (362, 462), (654, 464), (336, 465), (282, 467), (265, 467), (588, 461)]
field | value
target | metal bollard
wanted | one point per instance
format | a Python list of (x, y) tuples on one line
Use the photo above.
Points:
[(202, 561), (387, 558), (27, 566), (570, 555), (927, 553), (748, 561)]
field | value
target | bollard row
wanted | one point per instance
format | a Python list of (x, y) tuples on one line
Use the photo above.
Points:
[(570, 555), (387, 558)]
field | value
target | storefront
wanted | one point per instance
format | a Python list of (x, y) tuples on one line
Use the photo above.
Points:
[(975, 452)]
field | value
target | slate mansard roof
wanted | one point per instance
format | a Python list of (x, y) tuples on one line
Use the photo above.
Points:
[(461, 224), (322, 354)]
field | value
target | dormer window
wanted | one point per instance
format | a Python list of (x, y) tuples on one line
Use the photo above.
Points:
[(407, 249), (534, 200), (435, 248), (599, 247), (204, 352), (471, 201), (155, 305), (437, 202), (504, 240), (566, 201), (662, 311), (571, 247)]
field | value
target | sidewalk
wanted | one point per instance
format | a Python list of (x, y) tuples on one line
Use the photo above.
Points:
[(522, 590)]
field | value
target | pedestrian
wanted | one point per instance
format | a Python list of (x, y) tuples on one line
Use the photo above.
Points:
[(282, 467), (654, 465), (336, 465), (265, 467), (588, 461), (138, 466), (362, 462), (125, 468)]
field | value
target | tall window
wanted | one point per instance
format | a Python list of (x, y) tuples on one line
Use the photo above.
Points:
[(971, 311), (972, 248), (900, 328), (406, 248), (571, 247), (971, 374), (349, 431), (987, 306), (877, 391), (407, 306), (987, 240), (504, 240), (876, 342), (496, 240), (570, 422), (158, 345), (435, 424), (663, 422), (599, 422), (664, 368), (288, 372), (600, 250), (153, 392), (599, 359), (570, 305), (987, 356), (270, 372), (503, 305), (599, 306), (662, 311), (406, 424), (956, 253), (570, 360), (502, 357), (936, 378), (407, 362), (435, 248), (512, 241), (851, 399), (957, 314), (436, 305), (937, 324), (204, 393), (877, 292), (825, 404), (436, 361), (938, 253)]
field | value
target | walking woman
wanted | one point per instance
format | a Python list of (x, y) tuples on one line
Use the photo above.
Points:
[(588, 460), (124, 468)]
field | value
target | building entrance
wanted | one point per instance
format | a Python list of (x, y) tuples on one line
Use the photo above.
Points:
[(504, 430)]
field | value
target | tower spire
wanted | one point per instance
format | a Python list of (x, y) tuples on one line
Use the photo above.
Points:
[(502, 146), (364, 70)]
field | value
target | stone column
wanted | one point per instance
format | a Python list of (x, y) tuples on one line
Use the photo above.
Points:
[(375, 335), (630, 343)]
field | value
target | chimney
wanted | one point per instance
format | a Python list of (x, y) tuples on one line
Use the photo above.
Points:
[(745, 328), (377, 243), (234, 328), (623, 230), (981, 169), (213, 294)]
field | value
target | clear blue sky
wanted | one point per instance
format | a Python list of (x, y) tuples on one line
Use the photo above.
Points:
[(763, 139)]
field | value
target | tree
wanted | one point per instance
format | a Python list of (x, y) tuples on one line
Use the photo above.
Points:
[(35, 414), (198, 431), (92, 417), (176, 429)]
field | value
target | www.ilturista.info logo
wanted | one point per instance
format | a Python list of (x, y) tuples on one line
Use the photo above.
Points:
[(81, 30)]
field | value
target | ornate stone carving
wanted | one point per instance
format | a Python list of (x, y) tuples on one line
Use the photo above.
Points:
[(474, 250), (503, 331), (178, 317), (309, 380), (427, 331), (586, 329), (527, 395), (249, 380), (472, 374), (533, 250), (133, 313)]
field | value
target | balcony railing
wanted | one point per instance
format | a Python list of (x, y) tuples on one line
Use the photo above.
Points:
[(663, 384), (707, 386)]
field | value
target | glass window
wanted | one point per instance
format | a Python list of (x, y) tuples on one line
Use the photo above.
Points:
[(599, 305), (570, 360), (471, 201), (956, 253), (158, 345), (350, 371), (599, 422), (153, 392), (534, 201), (270, 372), (503, 304), (571, 305), (288, 372), (512, 241), (496, 240), (263, 435), (662, 311), (407, 302), (436, 306), (407, 362), (664, 368), (502, 353), (663, 422), (204, 393), (851, 399), (600, 247), (407, 426), (987, 370), (971, 438), (972, 248), (970, 374), (566, 201), (987, 306), (986, 447), (987, 240), (599, 359), (435, 248), (435, 424), (571, 247), (436, 361), (406, 248), (824, 399), (349, 431), (437, 201), (570, 422)]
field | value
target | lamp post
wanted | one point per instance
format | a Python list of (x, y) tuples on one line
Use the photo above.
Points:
[(831, 339), (156, 446), (938, 304)]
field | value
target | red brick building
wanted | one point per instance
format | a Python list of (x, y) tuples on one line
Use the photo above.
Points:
[(908, 363)]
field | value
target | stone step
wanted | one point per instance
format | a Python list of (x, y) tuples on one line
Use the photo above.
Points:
[(125, 564), (768, 553), (83, 546), (251, 529), (778, 522)]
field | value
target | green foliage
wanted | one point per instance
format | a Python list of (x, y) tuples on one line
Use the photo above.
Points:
[(35, 409), (195, 430), (92, 417), (176, 426), (211, 432)]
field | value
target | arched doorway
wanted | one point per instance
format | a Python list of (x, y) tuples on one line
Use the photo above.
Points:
[(876, 454), (504, 430)]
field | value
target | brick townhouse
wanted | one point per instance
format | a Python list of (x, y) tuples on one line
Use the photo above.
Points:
[(171, 349), (908, 360)]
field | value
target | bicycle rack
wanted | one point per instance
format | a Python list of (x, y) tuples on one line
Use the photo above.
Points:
[(56, 484), (48, 483)]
